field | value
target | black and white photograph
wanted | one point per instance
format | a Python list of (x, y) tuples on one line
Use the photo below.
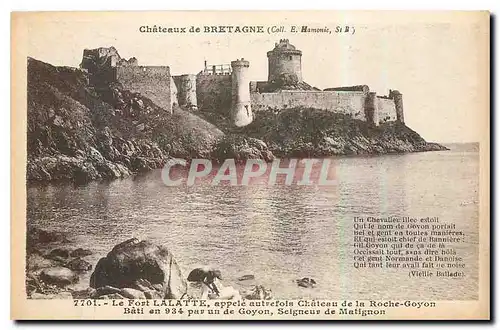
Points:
[(245, 165)]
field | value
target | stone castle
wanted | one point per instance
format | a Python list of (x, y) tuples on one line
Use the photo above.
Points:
[(227, 89)]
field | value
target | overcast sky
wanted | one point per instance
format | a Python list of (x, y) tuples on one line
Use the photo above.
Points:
[(434, 60)]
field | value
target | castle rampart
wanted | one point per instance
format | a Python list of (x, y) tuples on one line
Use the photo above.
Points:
[(357, 88), (386, 109), (226, 88), (213, 93), (349, 103), (154, 82)]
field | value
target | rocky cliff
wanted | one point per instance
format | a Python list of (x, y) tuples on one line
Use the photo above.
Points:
[(317, 133), (81, 132)]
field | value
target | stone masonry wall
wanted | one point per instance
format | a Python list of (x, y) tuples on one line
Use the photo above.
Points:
[(213, 92), (151, 81), (350, 103), (386, 110)]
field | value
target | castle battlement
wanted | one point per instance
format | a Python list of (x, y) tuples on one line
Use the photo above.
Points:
[(216, 69), (226, 88)]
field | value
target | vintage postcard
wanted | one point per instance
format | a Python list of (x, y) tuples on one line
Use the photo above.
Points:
[(219, 165)]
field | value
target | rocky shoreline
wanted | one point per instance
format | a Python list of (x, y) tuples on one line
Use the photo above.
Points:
[(81, 132), (133, 269)]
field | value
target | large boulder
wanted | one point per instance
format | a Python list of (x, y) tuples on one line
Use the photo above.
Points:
[(134, 261), (204, 274)]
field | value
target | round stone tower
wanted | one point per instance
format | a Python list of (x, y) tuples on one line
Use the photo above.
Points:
[(371, 108), (398, 102), (186, 93), (284, 60), (241, 111)]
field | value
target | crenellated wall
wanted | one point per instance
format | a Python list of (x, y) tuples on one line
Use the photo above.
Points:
[(154, 82), (213, 92), (349, 103)]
